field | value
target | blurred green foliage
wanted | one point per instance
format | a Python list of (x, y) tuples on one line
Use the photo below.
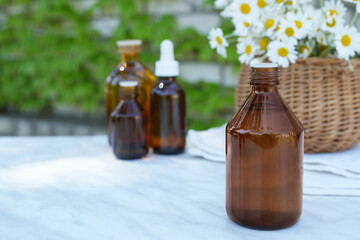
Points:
[(207, 105), (50, 55)]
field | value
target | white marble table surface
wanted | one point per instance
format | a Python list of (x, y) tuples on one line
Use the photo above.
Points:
[(73, 188)]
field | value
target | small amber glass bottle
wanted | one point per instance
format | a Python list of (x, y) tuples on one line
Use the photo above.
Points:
[(129, 69), (128, 125), (264, 157), (168, 110)]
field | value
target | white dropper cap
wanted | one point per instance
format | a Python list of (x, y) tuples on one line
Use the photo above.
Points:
[(167, 66)]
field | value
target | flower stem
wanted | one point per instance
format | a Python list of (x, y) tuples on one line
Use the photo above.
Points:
[(262, 58), (230, 35), (354, 19), (231, 40), (325, 51), (321, 3)]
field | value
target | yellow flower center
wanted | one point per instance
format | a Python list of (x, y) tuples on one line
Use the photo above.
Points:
[(246, 24), (277, 27), (289, 32), (279, 1), (303, 49), (248, 50), (298, 24), (345, 40), (283, 52), (245, 8), (264, 42), (290, 3), (332, 23), (261, 3), (219, 40), (269, 23), (333, 12)]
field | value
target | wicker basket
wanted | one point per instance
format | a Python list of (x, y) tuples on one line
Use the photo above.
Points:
[(325, 96)]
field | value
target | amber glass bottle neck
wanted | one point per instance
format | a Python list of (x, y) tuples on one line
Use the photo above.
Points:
[(167, 79), (127, 93), (128, 57), (264, 79)]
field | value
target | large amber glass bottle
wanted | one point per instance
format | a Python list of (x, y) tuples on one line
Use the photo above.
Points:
[(129, 69), (264, 157), (128, 125)]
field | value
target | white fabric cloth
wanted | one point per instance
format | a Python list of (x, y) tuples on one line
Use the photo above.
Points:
[(324, 173)]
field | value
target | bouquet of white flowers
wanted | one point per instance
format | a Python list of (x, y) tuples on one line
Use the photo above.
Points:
[(284, 30)]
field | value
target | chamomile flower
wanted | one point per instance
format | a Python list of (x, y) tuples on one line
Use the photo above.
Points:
[(347, 42), (304, 51), (263, 44), (262, 3), (281, 3), (257, 28), (305, 48), (282, 53), (270, 21), (357, 3), (310, 12), (220, 4), (334, 12), (301, 22), (218, 41), (316, 19), (247, 50), (296, 4), (288, 32), (242, 28), (242, 10)]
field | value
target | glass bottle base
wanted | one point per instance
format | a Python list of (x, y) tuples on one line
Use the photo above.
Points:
[(269, 221), (129, 156), (168, 151)]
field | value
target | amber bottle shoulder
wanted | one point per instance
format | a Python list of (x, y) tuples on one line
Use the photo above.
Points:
[(265, 114), (127, 109), (167, 88), (127, 71)]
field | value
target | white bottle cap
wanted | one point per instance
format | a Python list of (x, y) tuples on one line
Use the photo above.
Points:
[(264, 65), (129, 46), (128, 83), (167, 66)]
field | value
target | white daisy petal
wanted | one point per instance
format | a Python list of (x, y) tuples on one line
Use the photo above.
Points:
[(218, 41), (347, 42), (242, 10), (247, 50), (220, 4), (288, 32), (282, 53), (334, 15)]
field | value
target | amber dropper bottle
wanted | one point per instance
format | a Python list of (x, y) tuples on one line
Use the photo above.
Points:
[(128, 124), (168, 110), (264, 157)]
